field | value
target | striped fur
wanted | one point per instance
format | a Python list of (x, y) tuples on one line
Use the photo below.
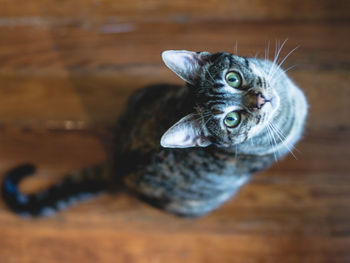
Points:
[(73, 188), (172, 147)]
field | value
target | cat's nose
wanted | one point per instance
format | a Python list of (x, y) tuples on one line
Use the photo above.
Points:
[(260, 100), (254, 101)]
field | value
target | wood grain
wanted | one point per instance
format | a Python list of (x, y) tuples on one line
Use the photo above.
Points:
[(86, 12), (66, 71), (65, 50)]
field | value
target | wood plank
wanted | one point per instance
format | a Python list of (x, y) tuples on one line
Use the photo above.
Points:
[(86, 12), (70, 50), (120, 245)]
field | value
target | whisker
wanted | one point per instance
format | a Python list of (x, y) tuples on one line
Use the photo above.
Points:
[(201, 117), (283, 136), (276, 78), (282, 140), (209, 74), (267, 55), (289, 53), (271, 142), (277, 53), (273, 138), (277, 130), (280, 64), (236, 48), (208, 120)]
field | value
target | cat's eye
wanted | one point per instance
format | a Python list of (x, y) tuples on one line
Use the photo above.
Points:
[(234, 79), (232, 119)]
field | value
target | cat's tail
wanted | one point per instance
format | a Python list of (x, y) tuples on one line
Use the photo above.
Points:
[(71, 189)]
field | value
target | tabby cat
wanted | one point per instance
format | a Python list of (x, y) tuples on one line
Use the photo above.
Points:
[(187, 149)]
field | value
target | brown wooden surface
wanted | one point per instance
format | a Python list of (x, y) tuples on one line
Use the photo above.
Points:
[(87, 12), (66, 71)]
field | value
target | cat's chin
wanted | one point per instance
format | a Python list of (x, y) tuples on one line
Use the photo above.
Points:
[(275, 101)]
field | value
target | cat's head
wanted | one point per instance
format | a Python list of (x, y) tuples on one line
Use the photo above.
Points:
[(235, 98)]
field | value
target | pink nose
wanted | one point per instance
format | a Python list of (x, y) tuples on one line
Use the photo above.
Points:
[(260, 100)]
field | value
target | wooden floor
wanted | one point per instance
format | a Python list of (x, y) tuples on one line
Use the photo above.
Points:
[(62, 86)]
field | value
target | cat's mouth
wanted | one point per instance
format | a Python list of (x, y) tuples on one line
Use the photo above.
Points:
[(261, 100)]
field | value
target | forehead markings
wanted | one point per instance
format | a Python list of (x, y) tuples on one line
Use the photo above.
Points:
[(212, 103), (216, 111), (209, 75), (255, 70), (259, 82), (246, 61), (215, 92)]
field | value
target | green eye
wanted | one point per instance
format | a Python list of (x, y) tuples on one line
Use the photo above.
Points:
[(234, 79), (232, 119)]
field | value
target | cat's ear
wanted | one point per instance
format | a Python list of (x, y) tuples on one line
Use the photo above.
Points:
[(185, 64), (187, 132)]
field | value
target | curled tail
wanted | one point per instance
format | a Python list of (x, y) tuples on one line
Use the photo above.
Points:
[(45, 203)]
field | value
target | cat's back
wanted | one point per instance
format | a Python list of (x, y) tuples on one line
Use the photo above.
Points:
[(148, 113)]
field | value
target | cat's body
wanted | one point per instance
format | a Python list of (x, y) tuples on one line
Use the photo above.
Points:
[(225, 112)]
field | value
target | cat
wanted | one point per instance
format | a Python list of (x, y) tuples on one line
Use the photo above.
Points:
[(187, 149)]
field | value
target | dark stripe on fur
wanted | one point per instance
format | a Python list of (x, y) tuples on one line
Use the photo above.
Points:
[(57, 197), (211, 104), (246, 61)]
